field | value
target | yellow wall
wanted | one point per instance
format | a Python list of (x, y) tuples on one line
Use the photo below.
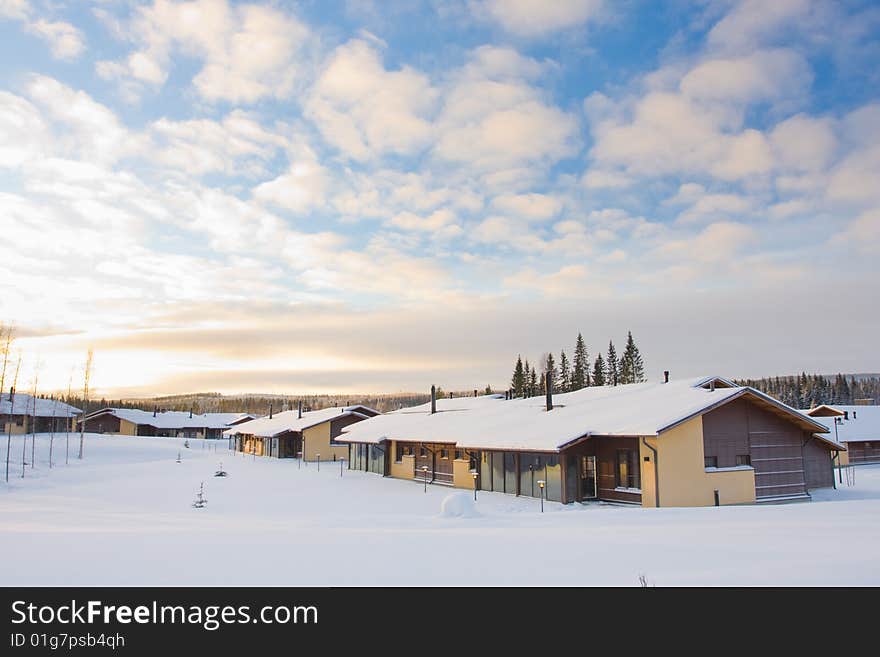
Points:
[(683, 477), (317, 441), (843, 460), (407, 466), (16, 429), (461, 474), (126, 428)]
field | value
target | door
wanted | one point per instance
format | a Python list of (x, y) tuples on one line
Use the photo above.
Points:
[(588, 478)]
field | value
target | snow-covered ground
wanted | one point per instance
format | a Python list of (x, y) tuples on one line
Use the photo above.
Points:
[(123, 516)]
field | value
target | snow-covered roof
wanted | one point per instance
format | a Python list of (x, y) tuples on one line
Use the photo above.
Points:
[(862, 425), (23, 404), (169, 419), (642, 409), (279, 423)]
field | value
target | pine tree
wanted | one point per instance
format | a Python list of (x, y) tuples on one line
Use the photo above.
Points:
[(527, 379), (599, 371), (518, 381), (612, 366), (550, 365), (632, 369), (580, 375), (533, 382), (564, 373)]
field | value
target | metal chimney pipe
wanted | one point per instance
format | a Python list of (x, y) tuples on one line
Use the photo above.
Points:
[(433, 399), (155, 410), (270, 410), (11, 393), (475, 393), (665, 376), (300, 409), (712, 386), (190, 411), (549, 386)]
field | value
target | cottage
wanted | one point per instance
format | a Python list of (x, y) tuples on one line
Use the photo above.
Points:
[(678, 443), (167, 424), (856, 427), (24, 413), (290, 434)]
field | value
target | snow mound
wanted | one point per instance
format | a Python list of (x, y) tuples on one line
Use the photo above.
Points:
[(458, 505)]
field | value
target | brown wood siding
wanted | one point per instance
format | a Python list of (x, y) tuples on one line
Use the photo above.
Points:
[(103, 424), (337, 425), (864, 452), (439, 469), (606, 466), (817, 464), (775, 446)]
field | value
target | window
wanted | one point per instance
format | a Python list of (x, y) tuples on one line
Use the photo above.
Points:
[(444, 453), (459, 454), (423, 452), (711, 461), (628, 475), (743, 459), (399, 451)]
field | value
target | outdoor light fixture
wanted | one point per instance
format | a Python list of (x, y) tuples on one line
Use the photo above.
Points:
[(318, 455), (299, 462), (475, 474), (541, 483), (425, 471), (341, 465)]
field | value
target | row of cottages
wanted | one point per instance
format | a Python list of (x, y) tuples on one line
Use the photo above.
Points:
[(24, 413), (677, 443), (291, 434), (166, 424), (856, 427)]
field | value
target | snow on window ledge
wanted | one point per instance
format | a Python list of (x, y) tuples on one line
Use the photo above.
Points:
[(733, 468), (621, 489)]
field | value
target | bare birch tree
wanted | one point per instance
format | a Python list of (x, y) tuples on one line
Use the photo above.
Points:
[(11, 414), (33, 426), (67, 420), (87, 375), (52, 430)]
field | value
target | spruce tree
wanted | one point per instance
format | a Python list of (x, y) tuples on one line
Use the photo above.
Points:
[(533, 382), (527, 380), (632, 369), (612, 366), (550, 366), (580, 375), (564, 373), (518, 381), (599, 371)]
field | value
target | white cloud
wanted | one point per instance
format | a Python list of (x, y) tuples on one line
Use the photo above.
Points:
[(300, 189), (19, 9), (532, 207), (599, 179), (804, 143), (23, 134), (753, 21), (534, 18), (248, 52), (65, 40), (365, 110)]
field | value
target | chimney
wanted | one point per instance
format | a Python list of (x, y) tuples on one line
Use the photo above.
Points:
[(712, 385), (300, 409), (549, 386), (854, 415), (270, 410), (433, 399), (665, 376), (190, 411), (846, 415), (155, 410), (11, 393), (475, 393)]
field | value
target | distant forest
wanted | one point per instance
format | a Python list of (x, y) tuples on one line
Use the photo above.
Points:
[(808, 390)]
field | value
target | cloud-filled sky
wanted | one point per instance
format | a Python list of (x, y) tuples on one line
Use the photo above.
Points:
[(380, 195)]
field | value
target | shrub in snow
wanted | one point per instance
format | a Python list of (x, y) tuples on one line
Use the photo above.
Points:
[(458, 505), (200, 497), (221, 472)]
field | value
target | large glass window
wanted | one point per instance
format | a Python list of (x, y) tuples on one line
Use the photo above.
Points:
[(628, 469), (510, 472), (498, 471), (531, 471), (553, 477)]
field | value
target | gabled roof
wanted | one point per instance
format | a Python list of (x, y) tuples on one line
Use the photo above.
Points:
[(643, 409), (23, 404), (286, 421), (862, 423), (168, 419)]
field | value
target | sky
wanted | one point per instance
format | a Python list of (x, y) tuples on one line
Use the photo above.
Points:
[(285, 197)]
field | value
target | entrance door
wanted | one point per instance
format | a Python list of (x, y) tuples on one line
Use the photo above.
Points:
[(588, 478)]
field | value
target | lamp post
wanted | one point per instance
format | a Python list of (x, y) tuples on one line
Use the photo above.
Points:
[(541, 486), (318, 455), (475, 474), (425, 472), (341, 465), (299, 460)]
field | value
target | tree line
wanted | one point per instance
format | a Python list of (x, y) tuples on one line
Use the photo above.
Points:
[(579, 372), (808, 390)]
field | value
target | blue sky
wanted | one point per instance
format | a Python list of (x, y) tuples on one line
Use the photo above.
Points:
[(377, 196)]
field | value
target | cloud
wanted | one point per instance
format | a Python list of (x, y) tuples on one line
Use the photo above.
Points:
[(65, 40), (535, 18), (365, 110), (248, 52), (300, 189), (532, 207), (23, 133)]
